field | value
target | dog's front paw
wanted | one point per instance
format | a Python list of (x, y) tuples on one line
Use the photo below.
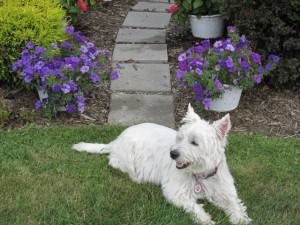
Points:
[(237, 219), (210, 222)]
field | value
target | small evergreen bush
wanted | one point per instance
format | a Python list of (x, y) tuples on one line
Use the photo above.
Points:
[(24, 20), (274, 27)]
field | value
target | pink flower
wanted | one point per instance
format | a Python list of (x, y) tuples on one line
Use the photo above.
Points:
[(173, 9), (82, 5)]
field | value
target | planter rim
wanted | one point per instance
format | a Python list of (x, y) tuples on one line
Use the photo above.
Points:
[(208, 16)]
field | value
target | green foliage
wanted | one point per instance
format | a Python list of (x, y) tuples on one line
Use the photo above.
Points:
[(196, 7), (23, 21), (273, 27)]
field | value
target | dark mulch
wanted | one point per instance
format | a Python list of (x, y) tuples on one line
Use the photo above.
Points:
[(261, 110)]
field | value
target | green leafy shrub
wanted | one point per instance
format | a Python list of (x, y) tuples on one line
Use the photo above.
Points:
[(273, 27), (24, 20)]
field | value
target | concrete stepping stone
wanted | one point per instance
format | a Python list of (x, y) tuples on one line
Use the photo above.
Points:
[(147, 20), (143, 77), (131, 109), (142, 53), (152, 6), (126, 35)]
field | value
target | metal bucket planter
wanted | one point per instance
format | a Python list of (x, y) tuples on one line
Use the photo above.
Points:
[(229, 100), (207, 26)]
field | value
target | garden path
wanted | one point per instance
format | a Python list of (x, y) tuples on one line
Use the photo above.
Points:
[(142, 93)]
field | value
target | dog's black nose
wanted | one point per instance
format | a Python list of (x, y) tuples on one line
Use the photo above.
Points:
[(174, 154)]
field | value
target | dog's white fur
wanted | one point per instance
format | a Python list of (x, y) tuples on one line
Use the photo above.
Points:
[(143, 151)]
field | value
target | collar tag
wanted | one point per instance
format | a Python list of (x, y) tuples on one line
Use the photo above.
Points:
[(197, 188)]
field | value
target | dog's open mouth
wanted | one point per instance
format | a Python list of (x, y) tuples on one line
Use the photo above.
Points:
[(180, 165)]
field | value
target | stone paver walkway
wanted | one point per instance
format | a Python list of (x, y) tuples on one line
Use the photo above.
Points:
[(142, 93)]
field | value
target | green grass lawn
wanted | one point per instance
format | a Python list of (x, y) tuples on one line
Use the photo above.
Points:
[(43, 181)]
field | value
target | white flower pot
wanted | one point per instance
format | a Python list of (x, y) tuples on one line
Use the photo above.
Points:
[(43, 94), (207, 26), (229, 100)]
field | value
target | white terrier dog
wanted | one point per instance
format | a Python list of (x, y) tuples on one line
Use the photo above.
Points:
[(189, 164)]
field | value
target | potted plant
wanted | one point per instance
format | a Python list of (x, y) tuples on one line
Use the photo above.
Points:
[(63, 72), (204, 16), (225, 67)]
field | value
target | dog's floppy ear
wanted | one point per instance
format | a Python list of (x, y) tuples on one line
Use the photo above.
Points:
[(190, 116), (222, 127)]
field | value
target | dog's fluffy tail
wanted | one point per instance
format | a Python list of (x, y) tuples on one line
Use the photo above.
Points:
[(91, 148)]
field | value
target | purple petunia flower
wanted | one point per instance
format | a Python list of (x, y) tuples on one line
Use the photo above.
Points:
[(199, 49), (199, 96), (199, 71), (222, 63), (275, 58), (54, 46), (114, 75), (38, 104), (245, 66), (255, 57), (66, 88), (180, 74), (80, 103), (94, 77), (231, 29), (56, 88), (198, 87), (65, 45), (29, 70), (182, 57), (229, 62), (205, 43), (80, 38), (90, 44), (260, 69), (206, 102), (269, 67), (28, 79), (84, 69), (39, 50), (73, 86), (39, 65), (257, 79), (231, 70), (44, 71), (83, 48), (218, 44), (218, 84), (71, 109), (230, 47), (25, 55), (69, 29), (16, 65), (29, 45)]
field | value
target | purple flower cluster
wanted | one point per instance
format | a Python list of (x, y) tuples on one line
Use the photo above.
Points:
[(76, 64), (229, 61)]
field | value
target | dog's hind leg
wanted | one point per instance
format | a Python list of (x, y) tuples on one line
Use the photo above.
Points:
[(92, 148)]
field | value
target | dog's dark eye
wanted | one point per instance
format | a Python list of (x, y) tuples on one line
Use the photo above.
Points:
[(194, 143)]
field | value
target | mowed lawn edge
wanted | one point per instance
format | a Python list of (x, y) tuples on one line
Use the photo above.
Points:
[(43, 181)]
